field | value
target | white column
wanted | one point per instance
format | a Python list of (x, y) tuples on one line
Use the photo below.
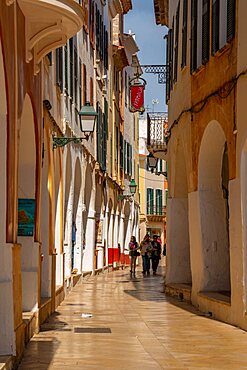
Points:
[(116, 229), (88, 257), (106, 226), (69, 216), (121, 231), (110, 231)]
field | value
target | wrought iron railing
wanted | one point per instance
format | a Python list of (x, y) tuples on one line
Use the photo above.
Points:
[(157, 130), (156, 210)]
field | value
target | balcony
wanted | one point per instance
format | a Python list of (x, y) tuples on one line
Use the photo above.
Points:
[(157, 134), (156, 213), (48, 25)]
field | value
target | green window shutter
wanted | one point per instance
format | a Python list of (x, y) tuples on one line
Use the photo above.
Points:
[(80, 83), (215, 26), (121, 152), (193, 38), (205, 30), (150, 201), (231, 15), (98, 132), (184, 32), (159, 201), (131, 161), (59, 67), (176, 44), (71, 58)]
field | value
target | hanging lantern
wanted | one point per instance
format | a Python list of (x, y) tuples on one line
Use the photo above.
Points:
[(137, 95)]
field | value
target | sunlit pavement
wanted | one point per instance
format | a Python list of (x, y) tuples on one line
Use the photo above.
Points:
[(133, 326)]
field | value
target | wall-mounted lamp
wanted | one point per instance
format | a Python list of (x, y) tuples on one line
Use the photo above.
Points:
[(152, 164), (87, 117), (129, 197)]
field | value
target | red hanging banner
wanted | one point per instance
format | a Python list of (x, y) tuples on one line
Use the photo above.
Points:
[(137, 96)]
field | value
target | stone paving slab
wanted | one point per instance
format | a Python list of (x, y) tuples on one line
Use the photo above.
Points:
[(149, 331)]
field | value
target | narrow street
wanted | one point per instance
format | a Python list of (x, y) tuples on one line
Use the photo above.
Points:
[(133, 326)]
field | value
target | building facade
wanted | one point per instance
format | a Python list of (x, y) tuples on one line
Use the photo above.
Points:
[(153, 190), (206, 154), (61, 205)]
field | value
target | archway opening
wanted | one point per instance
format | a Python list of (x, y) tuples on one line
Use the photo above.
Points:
[(213, 179)]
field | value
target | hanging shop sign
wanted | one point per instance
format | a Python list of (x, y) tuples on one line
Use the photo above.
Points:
[(137, 88), (26, 217)]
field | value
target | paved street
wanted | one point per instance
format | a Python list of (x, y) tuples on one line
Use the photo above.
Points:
[(138, 328)]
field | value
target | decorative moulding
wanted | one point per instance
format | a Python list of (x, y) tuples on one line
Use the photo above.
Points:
[(9, 2)]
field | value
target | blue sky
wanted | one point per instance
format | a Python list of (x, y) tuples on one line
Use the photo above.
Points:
[(149, 37)]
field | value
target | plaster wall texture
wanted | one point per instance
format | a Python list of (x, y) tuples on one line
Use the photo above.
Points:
[(179, 100), (178, 243)]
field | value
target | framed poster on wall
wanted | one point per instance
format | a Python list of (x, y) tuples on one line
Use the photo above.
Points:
[(26, 217)]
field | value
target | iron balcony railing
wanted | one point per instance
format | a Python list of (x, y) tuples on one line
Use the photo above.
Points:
[(157, 130), (156, 210)]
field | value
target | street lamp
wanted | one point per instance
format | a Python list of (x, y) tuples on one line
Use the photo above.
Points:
[(87, 117), (152, 164), (129, 197), (152, 161)]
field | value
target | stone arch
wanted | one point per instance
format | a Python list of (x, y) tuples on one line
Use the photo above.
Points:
[(58, 214), (7, 345), (178, 239), (213, 178), (27, 193)]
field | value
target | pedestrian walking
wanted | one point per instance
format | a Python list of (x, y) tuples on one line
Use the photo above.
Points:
[(133, 253), (156, 252), (146, 249)]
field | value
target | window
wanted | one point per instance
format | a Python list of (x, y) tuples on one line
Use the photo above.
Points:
[(176, 45), (231, 14), (215, 25), (168, 62), (150, 201), (102, 132), (205, 31), (193, 46), (184, 33), (159, 201), (91, 22), (59, 67)]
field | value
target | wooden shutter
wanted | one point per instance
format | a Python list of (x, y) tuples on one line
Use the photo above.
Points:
[(84, 94), (158, 201), (59, 67), (98, 132), (121, 151), (176, 45), (76, 76), (215, 26), (80, 83), (172, 54), (231, 15), (168, 63), (193, 42), (205, 31), (184, 33)]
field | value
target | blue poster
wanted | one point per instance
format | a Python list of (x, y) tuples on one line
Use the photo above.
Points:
[(26, 216)]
